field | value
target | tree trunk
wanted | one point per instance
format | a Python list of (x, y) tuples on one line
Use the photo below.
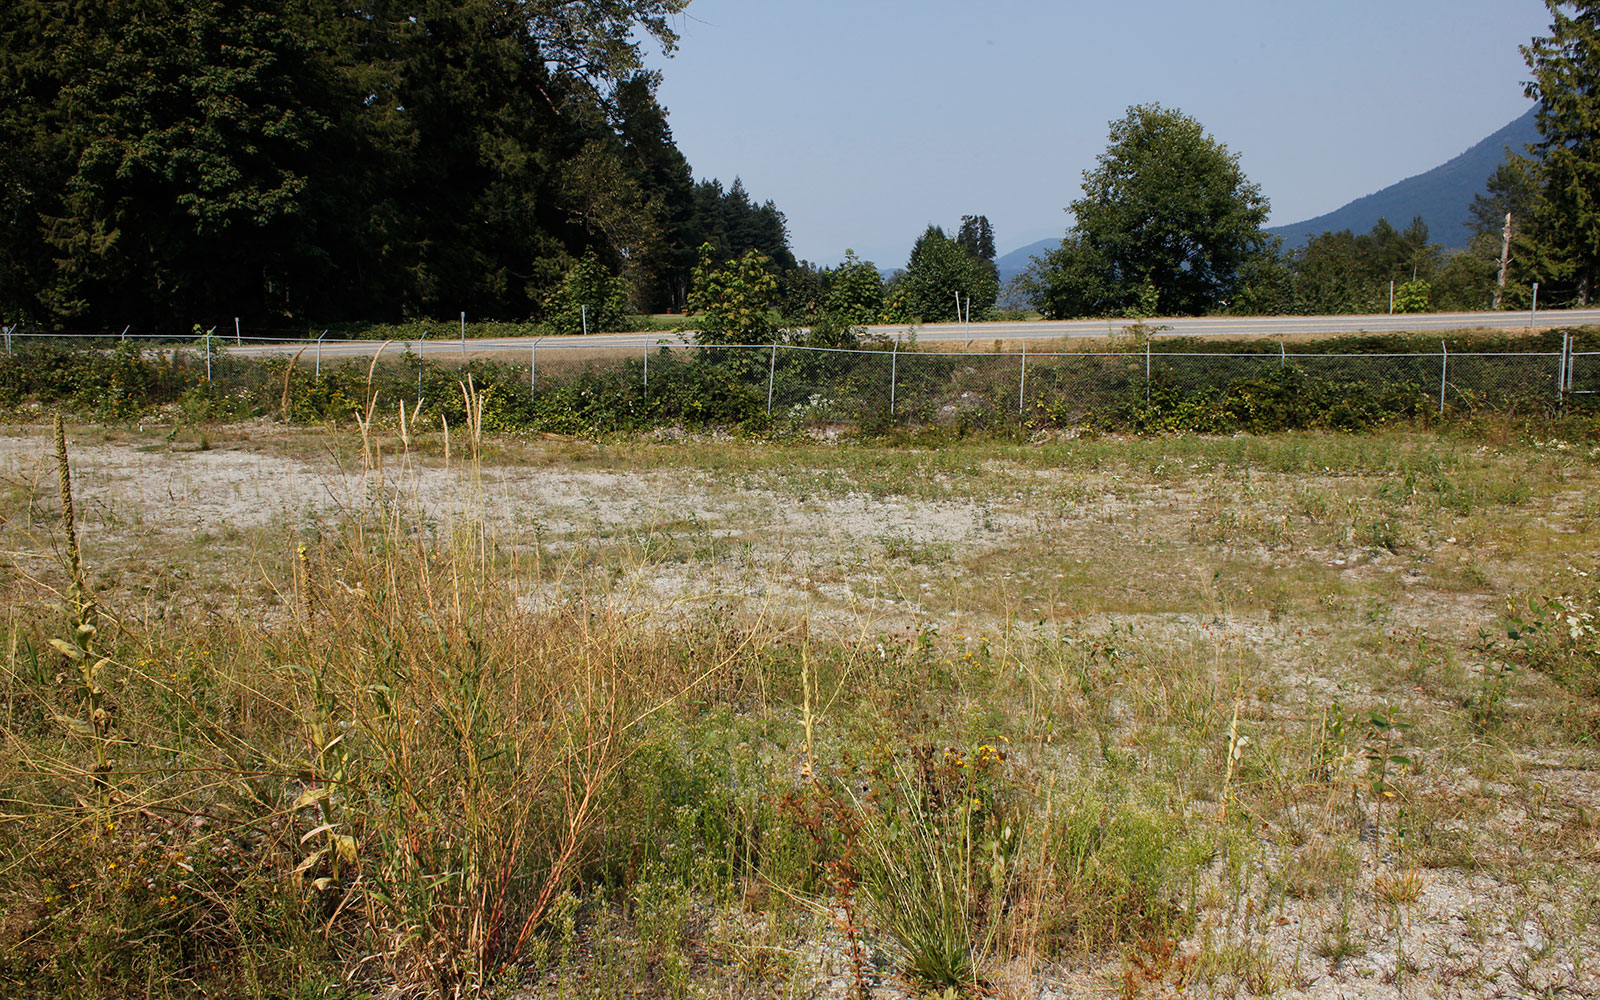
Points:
[(1505, 260)]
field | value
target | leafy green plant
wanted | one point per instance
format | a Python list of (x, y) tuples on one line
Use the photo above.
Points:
[(1385, 737), (1559, 635), (734, 299), (589, 299)]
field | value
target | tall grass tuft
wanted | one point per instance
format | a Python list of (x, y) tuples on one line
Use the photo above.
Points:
[(393, 765)]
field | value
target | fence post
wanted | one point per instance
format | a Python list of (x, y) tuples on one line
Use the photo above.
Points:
[(1283, 355), (1564, 368), (772, 371), (1022, 384), (583, 311), (647, 364), (1533, 312), (419, 371), (208, 353), (237, 339), (124, 337), (319, 353), (8, 339), (894, 361), (463, 335), (1444, 371), (1147, 371), (533, 370)]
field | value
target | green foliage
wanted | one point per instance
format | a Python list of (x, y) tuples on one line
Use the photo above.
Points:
[(734, 299), (939, 270), (1343, 272), (1217, 401), (855, 292), (1412, 296), (1565, 65), (589, 297), (1168, 208), (1559, 634), (165, 161), (976, 237), (1229, 386)]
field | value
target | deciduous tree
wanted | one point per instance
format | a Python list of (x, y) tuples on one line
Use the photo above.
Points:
[(1167, 208)]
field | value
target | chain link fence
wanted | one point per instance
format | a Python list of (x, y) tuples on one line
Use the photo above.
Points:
[(819, 386), (661, 380)]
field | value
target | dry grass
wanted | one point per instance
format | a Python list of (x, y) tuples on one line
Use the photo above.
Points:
[(700, 717)]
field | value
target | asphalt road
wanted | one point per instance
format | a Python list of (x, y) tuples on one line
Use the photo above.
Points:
[(978, 333)]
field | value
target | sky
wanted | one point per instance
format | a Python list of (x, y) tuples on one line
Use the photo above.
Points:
[(865, 120)]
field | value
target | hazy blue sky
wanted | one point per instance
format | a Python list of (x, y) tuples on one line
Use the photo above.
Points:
[(867, 119)]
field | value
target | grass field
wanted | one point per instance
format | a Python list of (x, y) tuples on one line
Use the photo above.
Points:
[(328, 713)]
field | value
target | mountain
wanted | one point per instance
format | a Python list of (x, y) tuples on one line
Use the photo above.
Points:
[(1017, 261), (1442, 196)]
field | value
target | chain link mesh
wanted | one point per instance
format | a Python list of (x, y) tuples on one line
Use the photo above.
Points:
[(1584, 378), (887, 386)]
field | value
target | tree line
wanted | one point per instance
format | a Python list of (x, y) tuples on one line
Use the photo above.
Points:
[(285, 160), (295, 160)]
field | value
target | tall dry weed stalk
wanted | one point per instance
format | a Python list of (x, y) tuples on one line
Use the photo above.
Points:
[(69, 520)]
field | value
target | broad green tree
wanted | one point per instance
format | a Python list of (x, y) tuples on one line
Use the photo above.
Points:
[(1167, 207), (938, 272)]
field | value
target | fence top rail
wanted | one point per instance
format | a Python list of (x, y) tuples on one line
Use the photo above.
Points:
[(497, 343)]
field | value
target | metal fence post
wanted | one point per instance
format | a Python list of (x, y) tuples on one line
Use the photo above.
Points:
[(1022, 383), (1533, 312), (237, 339), (772, 371), (124, 337), (533, 370), (463, 335), (208, 352), (319, 353), (647, 364), (8, 339), (1444, 371), (1147, 371), (419, 371), (894, 362), (1563, 368)]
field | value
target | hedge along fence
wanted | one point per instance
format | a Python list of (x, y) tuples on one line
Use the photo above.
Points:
[(871, 390)]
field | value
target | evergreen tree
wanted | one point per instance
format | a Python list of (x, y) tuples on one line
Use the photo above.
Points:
[(937, 273), (976, 236), (1566, 68), (166, 161)]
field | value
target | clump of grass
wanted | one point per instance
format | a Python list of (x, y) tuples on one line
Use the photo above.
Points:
[(405, 767)]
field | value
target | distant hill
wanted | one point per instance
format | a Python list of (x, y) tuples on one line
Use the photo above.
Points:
[(1017, 261), (1442, 196)]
